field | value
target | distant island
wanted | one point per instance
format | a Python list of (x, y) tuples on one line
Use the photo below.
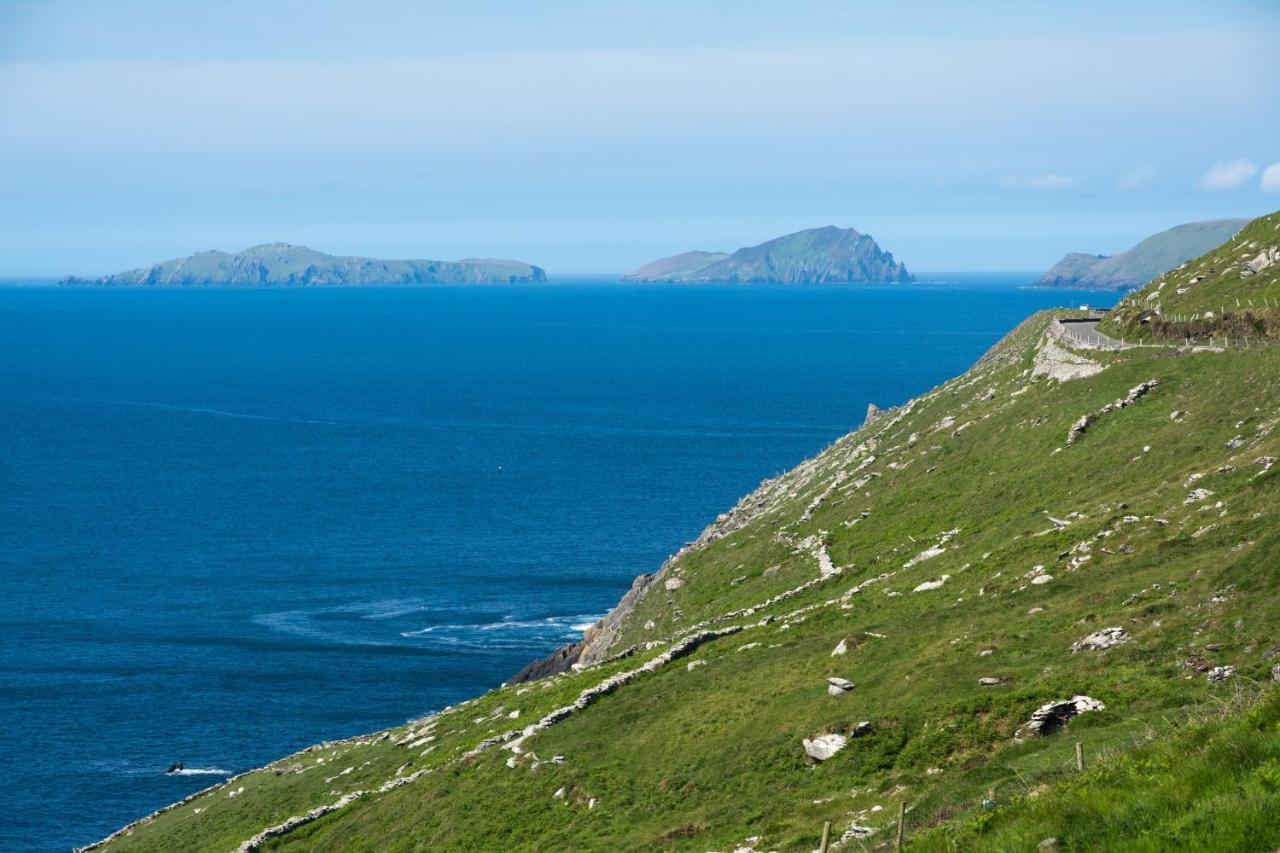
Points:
[(1131, 269), (284, 265), (827, 255)]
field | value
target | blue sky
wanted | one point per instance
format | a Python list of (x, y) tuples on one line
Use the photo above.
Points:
[(596, 136)]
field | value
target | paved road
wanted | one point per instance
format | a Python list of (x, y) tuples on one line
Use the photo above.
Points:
[(1085, 332)]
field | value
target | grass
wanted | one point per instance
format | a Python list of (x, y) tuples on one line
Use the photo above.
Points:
[(1210, 297), (1214, 784), (704, 758)]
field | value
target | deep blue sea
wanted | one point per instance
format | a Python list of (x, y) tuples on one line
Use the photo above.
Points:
[(237, 522)]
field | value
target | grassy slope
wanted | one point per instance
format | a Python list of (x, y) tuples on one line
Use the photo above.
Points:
[(1210, 786), (703, 758), (1176, 305), (1161, 252)]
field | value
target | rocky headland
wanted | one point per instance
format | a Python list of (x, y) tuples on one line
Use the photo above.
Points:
[(827, 255)]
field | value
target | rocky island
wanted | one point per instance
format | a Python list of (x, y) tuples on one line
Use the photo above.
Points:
[(285, 265), (1136, 266), (827, 255)]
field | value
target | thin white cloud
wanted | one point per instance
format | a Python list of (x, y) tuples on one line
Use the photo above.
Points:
[(1136, 179), (1050, 182), (1228, 175), (1271, 179)]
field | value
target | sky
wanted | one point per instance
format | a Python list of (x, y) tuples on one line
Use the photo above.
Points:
[(596, 136)]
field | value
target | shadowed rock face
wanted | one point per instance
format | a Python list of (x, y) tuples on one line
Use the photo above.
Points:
[(827, 255), (561, 660), (280, 264)]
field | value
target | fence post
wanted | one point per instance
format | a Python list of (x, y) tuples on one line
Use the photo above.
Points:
[(1079, 757), (902, 819), (826, 836)]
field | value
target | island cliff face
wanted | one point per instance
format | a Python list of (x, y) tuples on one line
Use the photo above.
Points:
[(827, 255), (283, 265), (1133, 268)]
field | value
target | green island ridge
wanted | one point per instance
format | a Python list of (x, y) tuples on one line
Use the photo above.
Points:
[(1076, 542), (827, 255), (1135, 266), (283, 265)]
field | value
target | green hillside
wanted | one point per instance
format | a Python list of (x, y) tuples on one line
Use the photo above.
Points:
[(1231, 292), (1137, 265), (676, 267), (1005, 543)]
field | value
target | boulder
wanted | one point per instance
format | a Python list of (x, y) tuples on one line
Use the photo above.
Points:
[(1221, 673), (1104, 639), (1196, 496), (838, 686), (672, 584), (935, 584), (990, 681), (1052, 716), (822, 747)]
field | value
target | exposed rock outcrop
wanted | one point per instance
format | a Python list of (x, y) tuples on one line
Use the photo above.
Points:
[(1051, 717), (1104, 639), (822, 747), (1056, 362), (1136, 393)]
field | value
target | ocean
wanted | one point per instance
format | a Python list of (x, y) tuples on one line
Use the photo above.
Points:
[(237, 522)]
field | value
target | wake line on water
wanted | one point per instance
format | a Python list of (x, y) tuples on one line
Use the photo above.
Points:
[(200, 771), (225, 414), (446, 423)]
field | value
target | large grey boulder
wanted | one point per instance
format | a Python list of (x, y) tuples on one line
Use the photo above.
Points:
[(838, 686), (822, 747), (1052, 716)]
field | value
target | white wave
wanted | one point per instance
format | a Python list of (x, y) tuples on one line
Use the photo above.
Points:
[(200, 771), (481, 634)]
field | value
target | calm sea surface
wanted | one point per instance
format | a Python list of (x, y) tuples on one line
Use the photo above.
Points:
[(234, 523)]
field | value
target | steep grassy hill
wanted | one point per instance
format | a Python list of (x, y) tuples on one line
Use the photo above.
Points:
[(676, 267), (1137, 265), (1006, 543), (1233, 291)]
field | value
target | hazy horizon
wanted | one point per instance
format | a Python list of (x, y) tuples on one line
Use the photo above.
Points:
[(589, 137)]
